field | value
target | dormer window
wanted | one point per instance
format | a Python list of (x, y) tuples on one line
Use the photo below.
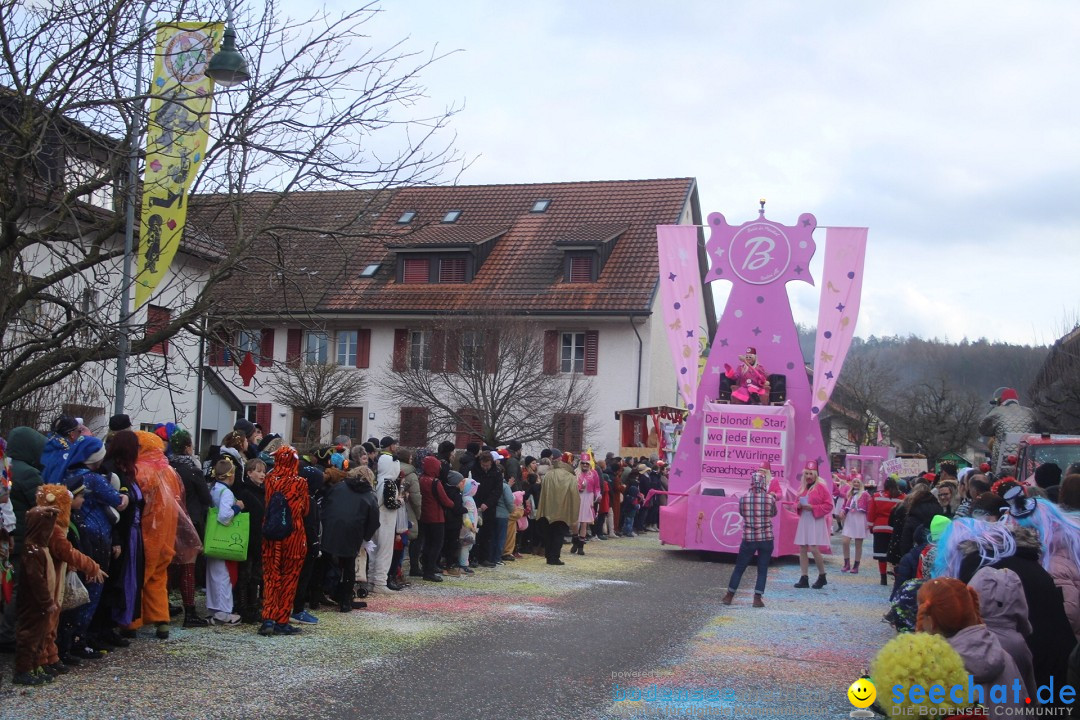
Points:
[(452, 270), (416, 271), (540, 206), (451, 216), (436, 267), (407, 217), (580, 267)]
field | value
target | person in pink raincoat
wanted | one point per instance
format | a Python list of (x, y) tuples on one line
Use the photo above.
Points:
[(814, 505), (749, 381)]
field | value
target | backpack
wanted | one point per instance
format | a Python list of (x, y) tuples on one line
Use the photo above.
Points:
[(277, 523), (390, 498)]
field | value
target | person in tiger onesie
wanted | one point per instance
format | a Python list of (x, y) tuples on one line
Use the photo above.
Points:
[(283, 559)]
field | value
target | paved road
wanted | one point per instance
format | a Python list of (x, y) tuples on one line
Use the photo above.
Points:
[(524, 641)]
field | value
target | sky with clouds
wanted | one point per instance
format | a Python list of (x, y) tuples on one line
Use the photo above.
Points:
[(950, 129)]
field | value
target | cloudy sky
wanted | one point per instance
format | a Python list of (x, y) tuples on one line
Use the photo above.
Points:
[(950, 129)]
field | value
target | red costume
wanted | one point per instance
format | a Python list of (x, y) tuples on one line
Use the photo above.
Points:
[(284, 559)]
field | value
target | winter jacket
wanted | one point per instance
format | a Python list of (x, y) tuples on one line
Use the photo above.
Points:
[(1067, 577), (513, 472), (410, 489), (350, 517), (196, 491), (504, 507), (1004, 609), (490, 491), (881, 507), (560, 500), (988, 664), (467, 464), (313, 475), (820, 502), (919, 514), (434, 499), (24, 450), (254, 498), (1051, 638), (896, 518)]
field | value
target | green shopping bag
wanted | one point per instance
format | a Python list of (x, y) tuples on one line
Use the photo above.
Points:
[(227, 542)]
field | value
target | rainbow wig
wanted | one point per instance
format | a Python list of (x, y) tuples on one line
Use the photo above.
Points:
[(994, 541), (1058, 531)]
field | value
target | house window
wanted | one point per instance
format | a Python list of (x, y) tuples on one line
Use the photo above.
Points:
[(472, 351), (452, 270), (406, 217), (416, 270), (316, 348), (568, 430), (250, 412), (369, 270), (420, 349), (156, 319), (414, 427), (346, 348), (249, 341), (451, 216), (580, 269), (541, 206), (573, 352), (304, 430), (81, 171), (349, 422)]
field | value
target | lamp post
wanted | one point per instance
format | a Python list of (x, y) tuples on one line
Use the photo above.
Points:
[(227, 67)]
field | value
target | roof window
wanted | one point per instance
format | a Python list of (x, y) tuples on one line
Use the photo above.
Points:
[(451, 216), (406, 217), (540, 205), (370, 270)]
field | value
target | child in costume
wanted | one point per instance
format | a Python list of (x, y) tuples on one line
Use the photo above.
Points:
[(64, 556), (515, 523), (470, 522), (37, 605), (853, 518), (283, 558), (219, 592)]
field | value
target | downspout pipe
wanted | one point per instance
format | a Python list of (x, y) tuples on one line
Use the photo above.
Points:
[(640, 352)]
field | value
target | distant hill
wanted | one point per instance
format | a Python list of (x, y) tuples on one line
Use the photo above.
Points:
[(980, 366)]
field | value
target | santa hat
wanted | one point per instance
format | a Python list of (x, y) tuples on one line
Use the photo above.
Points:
[(949, 605), (1009, 394)]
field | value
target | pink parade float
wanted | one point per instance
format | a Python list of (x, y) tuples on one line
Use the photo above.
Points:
[(753, 403)]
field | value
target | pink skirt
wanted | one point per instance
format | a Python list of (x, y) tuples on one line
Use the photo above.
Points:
[(586, 514), (855, 526)]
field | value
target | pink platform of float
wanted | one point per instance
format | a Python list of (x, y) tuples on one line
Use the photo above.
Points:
[(722, 443)]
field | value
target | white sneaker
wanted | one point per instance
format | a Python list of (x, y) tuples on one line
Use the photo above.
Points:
[(222, 618)]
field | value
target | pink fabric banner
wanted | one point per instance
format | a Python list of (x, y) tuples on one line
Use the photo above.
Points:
[(680, 298), (841, 290)]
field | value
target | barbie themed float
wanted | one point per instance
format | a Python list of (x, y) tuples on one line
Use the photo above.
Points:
[(753, 403)]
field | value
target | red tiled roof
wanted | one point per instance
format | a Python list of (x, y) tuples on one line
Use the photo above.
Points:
[(523, 272)]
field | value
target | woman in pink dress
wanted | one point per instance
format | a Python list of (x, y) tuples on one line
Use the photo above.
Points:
[(589, 488), (855, 510), (814, 505)]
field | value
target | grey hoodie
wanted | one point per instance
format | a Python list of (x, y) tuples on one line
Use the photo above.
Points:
[(989, 665), (1004, 609)]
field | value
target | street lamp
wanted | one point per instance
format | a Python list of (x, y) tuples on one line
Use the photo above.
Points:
[(227, 67)]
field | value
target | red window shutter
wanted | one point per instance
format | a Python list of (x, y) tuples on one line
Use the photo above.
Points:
[(157, 318), (452, 270), (216, 352), (453, 351), (581, 267), (363, 348), (575, 432), (592, 342), (266, 349), (469, 427), (438, 350), (293, 345), (263, 415), (414, 426), (551, 352), (416, 270), (491, 351), (401, 349)]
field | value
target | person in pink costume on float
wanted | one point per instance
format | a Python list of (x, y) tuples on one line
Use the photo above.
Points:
[(749, 382)]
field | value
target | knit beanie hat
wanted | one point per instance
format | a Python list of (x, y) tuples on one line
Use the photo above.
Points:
[(949, 605)]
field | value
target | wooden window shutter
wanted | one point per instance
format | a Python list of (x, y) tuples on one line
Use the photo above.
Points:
[(438, 350), (414, 426), (216, 350), (575, 432), (415, 270), (294, 345), (581, 269), (266, 349), (363, 348), (156, 319), (491, 351), (592, 344), (453, 351), (452, 270), (401, 349), (263, 415), (551, 352)]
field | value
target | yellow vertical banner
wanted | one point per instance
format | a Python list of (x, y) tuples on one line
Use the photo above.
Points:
[(178, 129)]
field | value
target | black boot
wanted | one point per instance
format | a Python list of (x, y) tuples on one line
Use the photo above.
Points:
[(581, 546), (804, 581), (573, 546), (192, 619), (884, 578), (820, 582)]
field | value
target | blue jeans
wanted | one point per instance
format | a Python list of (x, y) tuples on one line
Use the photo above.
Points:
[(498, 539), (628, 521), (764, 549)]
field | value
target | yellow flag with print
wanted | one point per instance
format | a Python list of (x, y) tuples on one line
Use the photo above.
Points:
[(177, 132)]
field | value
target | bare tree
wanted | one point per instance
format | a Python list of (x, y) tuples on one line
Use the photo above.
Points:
[(1056, 390), (933, 418), (484, 377), (324, 109), (315, 390), (867, 385)]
